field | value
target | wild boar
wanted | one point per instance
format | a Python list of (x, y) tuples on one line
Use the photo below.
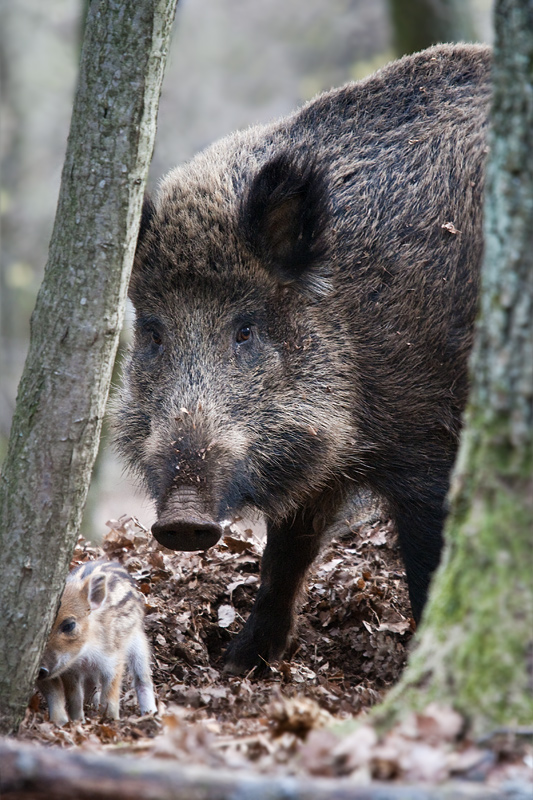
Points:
[(97, 632), (305, 294)]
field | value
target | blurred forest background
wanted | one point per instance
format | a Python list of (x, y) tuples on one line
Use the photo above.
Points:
[(233, 63)]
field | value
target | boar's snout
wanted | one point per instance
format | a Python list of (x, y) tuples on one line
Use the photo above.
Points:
[(184, 522), (187, 533)]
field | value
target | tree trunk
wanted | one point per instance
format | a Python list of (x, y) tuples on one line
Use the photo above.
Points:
[(475, 647), (75, 328), (418, 24)]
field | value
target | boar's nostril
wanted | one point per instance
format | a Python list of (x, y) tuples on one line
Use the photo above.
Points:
[(187, 534), (43, 673)]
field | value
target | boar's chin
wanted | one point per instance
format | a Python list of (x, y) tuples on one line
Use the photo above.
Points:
[(187, 534)]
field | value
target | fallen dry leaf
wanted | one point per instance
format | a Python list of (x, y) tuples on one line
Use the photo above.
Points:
[(296, 715), (350, 647), (226, 615)]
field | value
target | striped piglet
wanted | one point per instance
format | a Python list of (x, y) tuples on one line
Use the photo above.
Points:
[(98, 631)]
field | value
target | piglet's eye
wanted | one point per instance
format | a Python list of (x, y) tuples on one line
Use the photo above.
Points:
[(67, 626), (156, 338), (244, 334)]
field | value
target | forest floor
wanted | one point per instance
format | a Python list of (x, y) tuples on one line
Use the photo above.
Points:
[(351, 644)]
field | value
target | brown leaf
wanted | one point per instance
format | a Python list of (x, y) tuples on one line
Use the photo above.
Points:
[(439, 723), (35, 702), (394, 622), (355, 750), (238, 545), (106, 733), (422, 762), (297, 715), (317, 754)]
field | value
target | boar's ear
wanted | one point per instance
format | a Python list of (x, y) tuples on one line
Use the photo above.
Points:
[(147, 214), (142, 257), (97, 591), (284, 215)]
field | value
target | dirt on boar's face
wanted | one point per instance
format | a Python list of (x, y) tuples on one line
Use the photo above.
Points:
[(304, 313)]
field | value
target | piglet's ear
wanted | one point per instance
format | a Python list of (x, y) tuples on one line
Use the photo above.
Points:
[(283, 217), (97, 590)]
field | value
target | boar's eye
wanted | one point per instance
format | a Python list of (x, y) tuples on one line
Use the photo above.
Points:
[(150, 330), (67, 626), (244, 334)]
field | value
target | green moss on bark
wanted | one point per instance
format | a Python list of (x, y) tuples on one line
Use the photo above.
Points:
[(475, 646)]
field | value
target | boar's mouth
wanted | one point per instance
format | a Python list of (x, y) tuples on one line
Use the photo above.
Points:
[(187, 534)]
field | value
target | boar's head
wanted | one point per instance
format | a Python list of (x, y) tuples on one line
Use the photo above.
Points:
[(228, 387)]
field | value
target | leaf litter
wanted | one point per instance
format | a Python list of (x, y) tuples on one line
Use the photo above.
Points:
[(349, 648)]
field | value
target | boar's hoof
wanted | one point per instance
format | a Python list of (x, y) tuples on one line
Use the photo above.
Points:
[(261, 670), (191, 534), (247, 652)]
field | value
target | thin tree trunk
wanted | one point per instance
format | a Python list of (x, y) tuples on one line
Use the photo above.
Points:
[(476, 644), (75, 328), (418, 24)]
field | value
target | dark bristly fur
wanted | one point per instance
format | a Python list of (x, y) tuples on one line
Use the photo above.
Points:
[(304, 318)]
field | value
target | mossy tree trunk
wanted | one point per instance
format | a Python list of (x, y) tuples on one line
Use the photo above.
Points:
[(75, 328), (475, 647), (417, 24)]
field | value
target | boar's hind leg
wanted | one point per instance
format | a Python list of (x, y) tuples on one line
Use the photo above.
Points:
[(419, 521), (291, 548)]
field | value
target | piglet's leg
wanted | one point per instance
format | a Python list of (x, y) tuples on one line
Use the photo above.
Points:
[(290, 549), (139, 664), (92, 691), (110, 693), (54, 694), (73, 683)]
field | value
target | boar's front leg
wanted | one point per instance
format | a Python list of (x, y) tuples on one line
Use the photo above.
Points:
[(291, 548)]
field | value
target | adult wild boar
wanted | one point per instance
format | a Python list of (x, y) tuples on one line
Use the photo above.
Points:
[(305, 293)]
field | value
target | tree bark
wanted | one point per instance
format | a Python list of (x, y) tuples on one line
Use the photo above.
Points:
[(75, 328), (475, 647), (418, 24)]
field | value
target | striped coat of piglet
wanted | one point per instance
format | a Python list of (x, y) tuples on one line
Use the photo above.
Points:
[(97, 633)]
